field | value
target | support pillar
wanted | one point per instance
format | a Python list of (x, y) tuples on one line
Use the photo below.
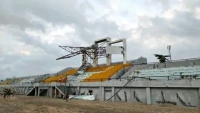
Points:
[(51, 92), (38, 91), (108, 58), (95, 55), (55, 96), (24, 90), (148, 93), (199, 98), (101, 97), (78, 88), (113, 92), (35, 91)]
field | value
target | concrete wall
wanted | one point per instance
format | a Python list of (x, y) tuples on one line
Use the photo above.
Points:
[(85, 90), (177, 92), (182, 97), (131, 95)]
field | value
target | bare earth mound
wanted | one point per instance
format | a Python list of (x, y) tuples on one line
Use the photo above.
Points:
[(24, 104)]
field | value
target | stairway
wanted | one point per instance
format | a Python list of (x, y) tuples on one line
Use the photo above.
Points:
[(83, 69), (32, 90)]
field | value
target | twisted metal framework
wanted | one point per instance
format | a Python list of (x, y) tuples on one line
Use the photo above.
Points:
[(90, 51)]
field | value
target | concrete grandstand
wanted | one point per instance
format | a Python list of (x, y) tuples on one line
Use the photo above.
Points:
[(173, 82)]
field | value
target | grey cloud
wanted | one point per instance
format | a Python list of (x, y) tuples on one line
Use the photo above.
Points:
[(5, 73), (9, 59), (74, 12), (11, 16), (57, 13), (124, 13), (191, 4), (36, 42), (184, 25), (164, 3), (67, 13)]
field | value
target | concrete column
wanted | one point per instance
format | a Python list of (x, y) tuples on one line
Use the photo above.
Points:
[(95, 55), (50, 91), (55, 93), (199, 98), (24, 90), (101, 96), (38, 91), (78, 88), (108, 58), (148, 92), (35, 91), (113, 92)]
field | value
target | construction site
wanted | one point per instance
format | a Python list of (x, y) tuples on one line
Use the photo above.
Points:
[(130, 86)]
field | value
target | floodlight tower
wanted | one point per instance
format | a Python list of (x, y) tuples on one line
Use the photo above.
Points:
[(95, 51), (91, 52), (169, 49)]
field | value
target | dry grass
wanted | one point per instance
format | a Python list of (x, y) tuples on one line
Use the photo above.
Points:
[(24, 104)]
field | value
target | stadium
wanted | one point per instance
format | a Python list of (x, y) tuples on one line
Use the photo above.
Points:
[(164, 82)]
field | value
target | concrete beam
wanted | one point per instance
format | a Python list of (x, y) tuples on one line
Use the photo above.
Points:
[(116, 41), (144, 84), (102, 40)]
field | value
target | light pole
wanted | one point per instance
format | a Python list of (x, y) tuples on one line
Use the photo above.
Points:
[(169, 49)]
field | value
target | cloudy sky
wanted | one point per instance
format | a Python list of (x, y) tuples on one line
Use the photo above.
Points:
[(30, 31)]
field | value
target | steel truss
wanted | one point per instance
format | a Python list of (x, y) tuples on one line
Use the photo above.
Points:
[(92, 52)]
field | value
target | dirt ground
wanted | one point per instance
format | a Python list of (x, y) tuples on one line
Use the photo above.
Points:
[(24, 104)]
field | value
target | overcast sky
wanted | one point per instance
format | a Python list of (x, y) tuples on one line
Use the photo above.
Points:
[(30, 31)]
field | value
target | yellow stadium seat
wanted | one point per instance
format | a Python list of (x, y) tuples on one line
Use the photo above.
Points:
[(60, 78), (106, 74), (96, 69)]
